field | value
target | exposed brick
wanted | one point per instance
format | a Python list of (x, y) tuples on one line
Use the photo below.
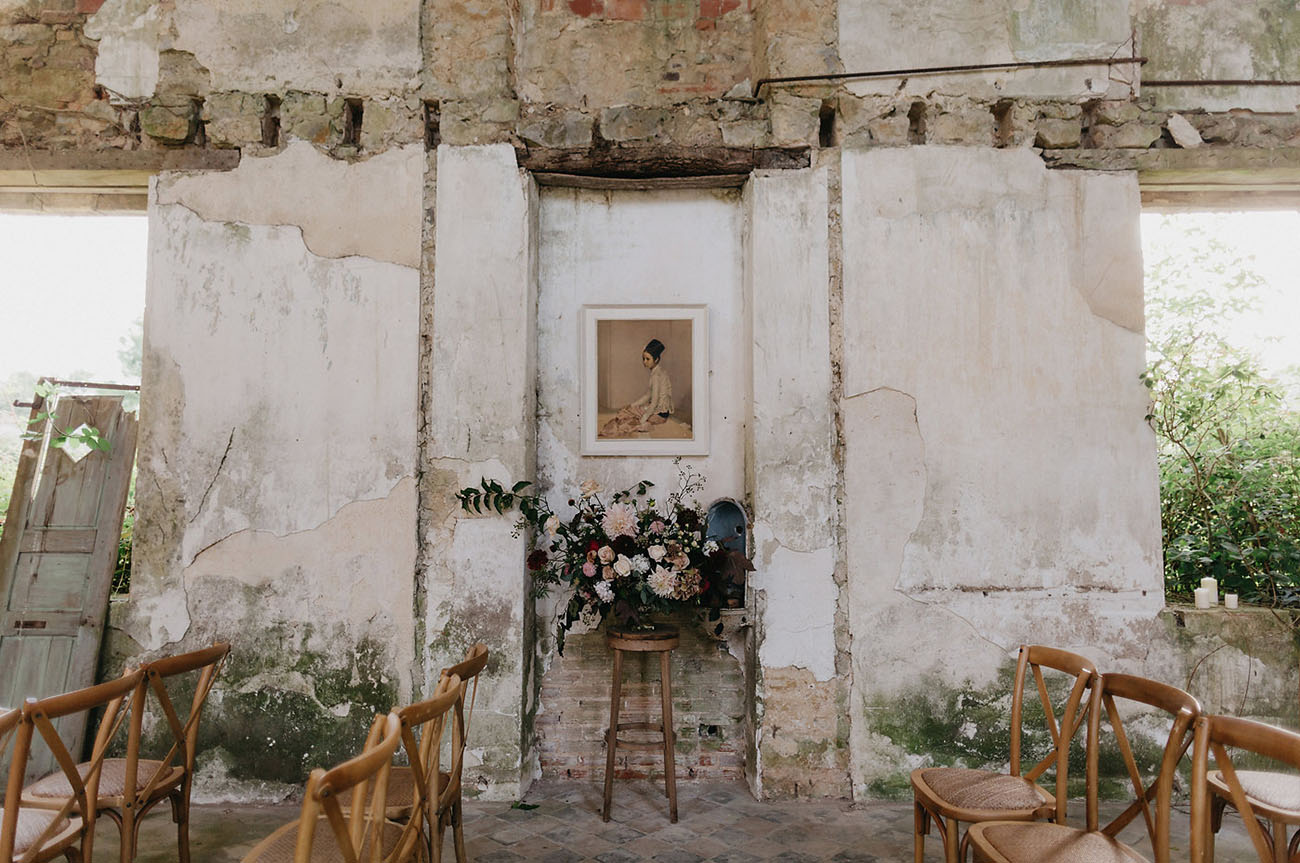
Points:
[(628, 10)]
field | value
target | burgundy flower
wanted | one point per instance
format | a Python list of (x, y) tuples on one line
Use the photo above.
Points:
[(537, 559)]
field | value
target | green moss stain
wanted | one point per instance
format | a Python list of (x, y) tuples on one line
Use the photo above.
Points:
[(468, 623), (280, 735), (971, 727)]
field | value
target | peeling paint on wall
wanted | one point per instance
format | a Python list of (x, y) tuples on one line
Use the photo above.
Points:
[(371, 208)]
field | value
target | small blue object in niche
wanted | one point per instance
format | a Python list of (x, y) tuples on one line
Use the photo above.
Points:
[(726, 524)]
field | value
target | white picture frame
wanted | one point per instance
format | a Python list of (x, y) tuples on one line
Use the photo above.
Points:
[(616, 373)]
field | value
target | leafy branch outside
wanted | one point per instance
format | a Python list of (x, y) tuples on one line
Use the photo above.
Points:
[(1227, 437)]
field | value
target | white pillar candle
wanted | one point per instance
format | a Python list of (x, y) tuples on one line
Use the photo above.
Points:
[(1211, 586), (1202, 597), (1230, 600)]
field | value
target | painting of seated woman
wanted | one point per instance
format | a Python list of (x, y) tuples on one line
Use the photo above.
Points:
[(644, 381)]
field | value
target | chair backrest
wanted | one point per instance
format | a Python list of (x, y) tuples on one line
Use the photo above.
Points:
[(358, 829), (468, 670), (423, 724), (37, 716), (184, 735), (1214, 736), (1062, 730), (1184, 710)]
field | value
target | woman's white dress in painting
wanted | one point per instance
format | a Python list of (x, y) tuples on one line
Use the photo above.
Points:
[(652, 408)]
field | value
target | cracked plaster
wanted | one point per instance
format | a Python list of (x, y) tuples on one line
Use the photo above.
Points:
[(975, 303), (130, 34), (481, 424), (301, 326), (370, 208)]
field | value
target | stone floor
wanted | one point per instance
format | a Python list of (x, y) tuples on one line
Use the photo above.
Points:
[(721, 823)]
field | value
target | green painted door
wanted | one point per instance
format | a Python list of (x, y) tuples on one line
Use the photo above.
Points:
[(57, 558)]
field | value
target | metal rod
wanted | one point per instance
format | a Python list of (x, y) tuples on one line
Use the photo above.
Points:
[(945, 70), (1220, 82), (86, 385)]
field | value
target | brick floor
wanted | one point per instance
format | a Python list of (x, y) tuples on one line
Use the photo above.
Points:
[(717, 822)]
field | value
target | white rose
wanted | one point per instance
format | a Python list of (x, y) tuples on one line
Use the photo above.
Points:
[(623, 566), (656, 552), (552, 524), (606, 554)]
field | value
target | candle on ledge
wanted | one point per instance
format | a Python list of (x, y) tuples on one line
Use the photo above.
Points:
[(1211, 586), (1202, 597), (1230, 600)]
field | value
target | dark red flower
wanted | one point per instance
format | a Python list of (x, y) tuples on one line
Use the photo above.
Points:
[(593, 545), (537, 559)]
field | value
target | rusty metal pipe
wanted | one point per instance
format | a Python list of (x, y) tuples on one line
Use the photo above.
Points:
[(1220, 82), (948, 70)]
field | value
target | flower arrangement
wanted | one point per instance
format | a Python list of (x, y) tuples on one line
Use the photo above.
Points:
[(626, 558)]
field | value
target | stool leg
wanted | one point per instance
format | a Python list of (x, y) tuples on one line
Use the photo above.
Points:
[(670, 741), (611, 737)]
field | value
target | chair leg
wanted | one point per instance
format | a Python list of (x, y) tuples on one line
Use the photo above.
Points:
[(1279, 842), (611, 740), (951, 853), (126, 835), (670, 737), (920, 827), (181, 815), (437, 840), (458, 832)]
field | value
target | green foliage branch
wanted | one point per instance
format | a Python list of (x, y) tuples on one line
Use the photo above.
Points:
[(1228, 443)]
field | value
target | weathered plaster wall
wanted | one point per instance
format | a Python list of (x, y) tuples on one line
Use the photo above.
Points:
[(877, 36), (278, 448), (481, 424), (1220, 39), (989, 321), (999, 481), (792, 478)]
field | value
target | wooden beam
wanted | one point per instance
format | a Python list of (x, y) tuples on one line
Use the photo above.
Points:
[(643, 184), (641, 163), (99, 162)]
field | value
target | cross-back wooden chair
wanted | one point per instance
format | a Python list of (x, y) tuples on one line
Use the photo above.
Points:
[(1043, 842), (30, 834), (446, 809), (129, 787), (328, 831), (950, 796), (1215, 735)]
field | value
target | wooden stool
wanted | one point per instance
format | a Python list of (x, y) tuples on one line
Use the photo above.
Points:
[(661, 639)]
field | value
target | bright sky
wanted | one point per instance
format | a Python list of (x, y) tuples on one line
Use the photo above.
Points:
[(1273, 238), (70, 288)]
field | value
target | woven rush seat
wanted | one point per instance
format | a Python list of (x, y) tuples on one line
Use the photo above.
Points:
[(1040, 842), (1280, 792), (279, 846), (985, 790), (33, 822), (112, 781), (401, 792)]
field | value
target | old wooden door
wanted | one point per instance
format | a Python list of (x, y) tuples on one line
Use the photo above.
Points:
[(57, 558)]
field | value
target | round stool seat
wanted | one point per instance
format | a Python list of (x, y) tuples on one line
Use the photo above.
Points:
[(661, 636)]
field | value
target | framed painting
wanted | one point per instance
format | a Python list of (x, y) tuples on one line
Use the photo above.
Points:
[(645, 380)]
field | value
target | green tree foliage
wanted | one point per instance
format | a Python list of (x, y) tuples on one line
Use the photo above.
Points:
[(131, 350), (1228, 442)]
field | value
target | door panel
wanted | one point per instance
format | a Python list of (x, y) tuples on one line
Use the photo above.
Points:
[(57, 557)]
